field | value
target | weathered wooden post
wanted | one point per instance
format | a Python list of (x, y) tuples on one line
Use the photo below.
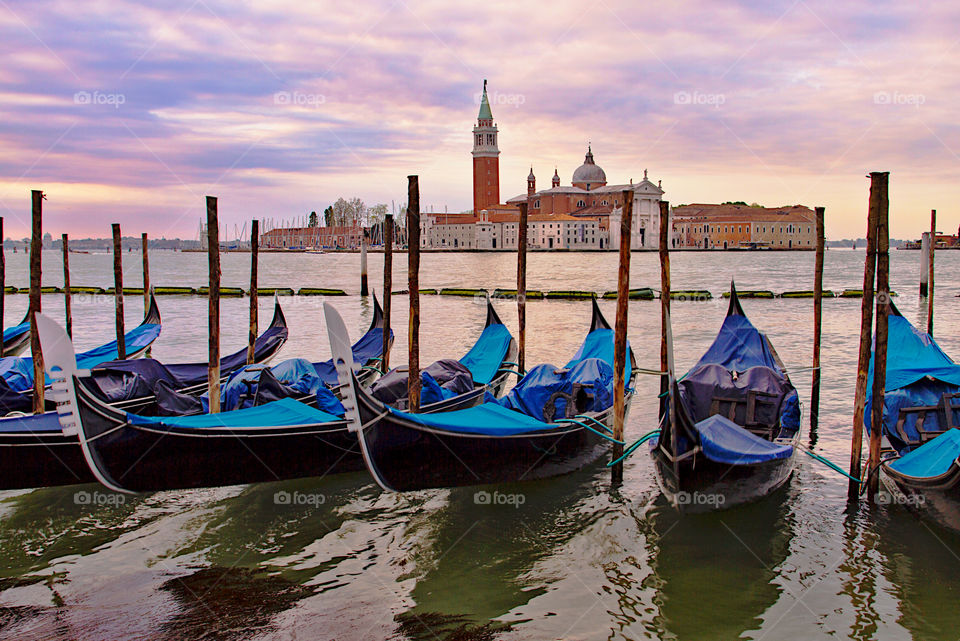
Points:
[(413, 284), (883, 311), (387, 288), (620, 336), (364, 290), (254, 294), (924, 262), (933, 247), (146, 278), (67, 304), (118, 290), (3, 283), (817, 323), (866, 339), (213, 265), (664, 300), (36, 246), (522, 287)]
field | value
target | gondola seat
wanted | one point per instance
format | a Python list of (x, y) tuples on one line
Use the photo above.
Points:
[(724, 441)]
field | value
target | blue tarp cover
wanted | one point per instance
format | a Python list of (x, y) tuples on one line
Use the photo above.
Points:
[(599, 344), (912, 356), (724, 441), (34, 423), (369, 346), (739, 346), (532, 394), (488, 419), (484, 358), (285, 412), (17, 330), (933, 458), (18, 372), (298, 374)]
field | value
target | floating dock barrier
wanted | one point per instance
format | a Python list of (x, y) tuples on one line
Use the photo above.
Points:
[(532, 294), (224, 291), (805, 293), (404, 292), (453, 291), (641, 293), (752, 293), (319, 291), (570, 295), (274, 291), (174, 291), (857, 293), (127, 291)]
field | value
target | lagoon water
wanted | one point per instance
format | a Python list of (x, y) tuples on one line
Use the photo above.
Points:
[(565, 558)]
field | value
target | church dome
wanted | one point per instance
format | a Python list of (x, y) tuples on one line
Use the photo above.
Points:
[(589, 172)]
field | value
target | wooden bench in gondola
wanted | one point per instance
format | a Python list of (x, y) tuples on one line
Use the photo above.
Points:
[(943, 411), (753, 400)]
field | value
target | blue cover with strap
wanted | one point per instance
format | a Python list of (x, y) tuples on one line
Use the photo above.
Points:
[(547, 393), (724, 441), (296, 374), (489, 419), (283, 413), (17, 372), (369, 346), (17, 330), (933, 458), (484, 358), (599, 344), (739, 346)]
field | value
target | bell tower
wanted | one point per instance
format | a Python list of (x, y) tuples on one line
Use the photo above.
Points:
[(486, 158)]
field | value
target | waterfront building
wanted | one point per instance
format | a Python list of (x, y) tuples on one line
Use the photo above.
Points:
[(340, 237), (704, 226)]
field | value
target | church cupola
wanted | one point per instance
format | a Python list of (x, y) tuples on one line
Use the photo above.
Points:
[(555, 182), (531, 183)]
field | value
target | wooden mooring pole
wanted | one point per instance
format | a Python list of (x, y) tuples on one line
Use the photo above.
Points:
[(364, 289), (67, 304), (387, 289), (213, 264), (146, 277), (620, 336), (924, 262), (664, 301), (36, 247), (254, 294), (933, 247), (413, 284), (522, 287), (817, 325), (883, 311), (118, 291), (3, 282), (866, 339)]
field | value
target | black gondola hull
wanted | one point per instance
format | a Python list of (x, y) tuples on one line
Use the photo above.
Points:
[(936, 499), (705, 485), (42, 460)]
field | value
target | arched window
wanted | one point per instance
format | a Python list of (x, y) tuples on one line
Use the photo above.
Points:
[(580, 203), (536, 205)]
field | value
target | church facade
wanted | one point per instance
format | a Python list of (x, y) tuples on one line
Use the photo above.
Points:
[(585, 214)]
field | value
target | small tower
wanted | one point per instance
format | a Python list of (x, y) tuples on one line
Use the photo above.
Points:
[(555, 182), (531, 183), (486, 158)]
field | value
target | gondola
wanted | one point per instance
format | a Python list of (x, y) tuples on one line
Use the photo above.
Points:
[(488, 443), (729, 430), (131, 453), (16, 373), (34, 451), (921, 416), (17, 338), (449, 385)]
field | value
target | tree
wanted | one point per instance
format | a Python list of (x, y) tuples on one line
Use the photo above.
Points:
[(328, 216), (313, 220)]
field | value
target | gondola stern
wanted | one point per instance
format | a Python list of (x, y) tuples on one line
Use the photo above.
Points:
[(734, 308), (279, 321), (152, 316), (598, 321), (492, 317), (377, 321)]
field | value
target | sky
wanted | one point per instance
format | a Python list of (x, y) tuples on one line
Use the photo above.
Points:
[(132, 112)]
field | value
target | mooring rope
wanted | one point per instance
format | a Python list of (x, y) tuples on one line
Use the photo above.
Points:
[(594, 430), (633, 446), (833, 466)]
